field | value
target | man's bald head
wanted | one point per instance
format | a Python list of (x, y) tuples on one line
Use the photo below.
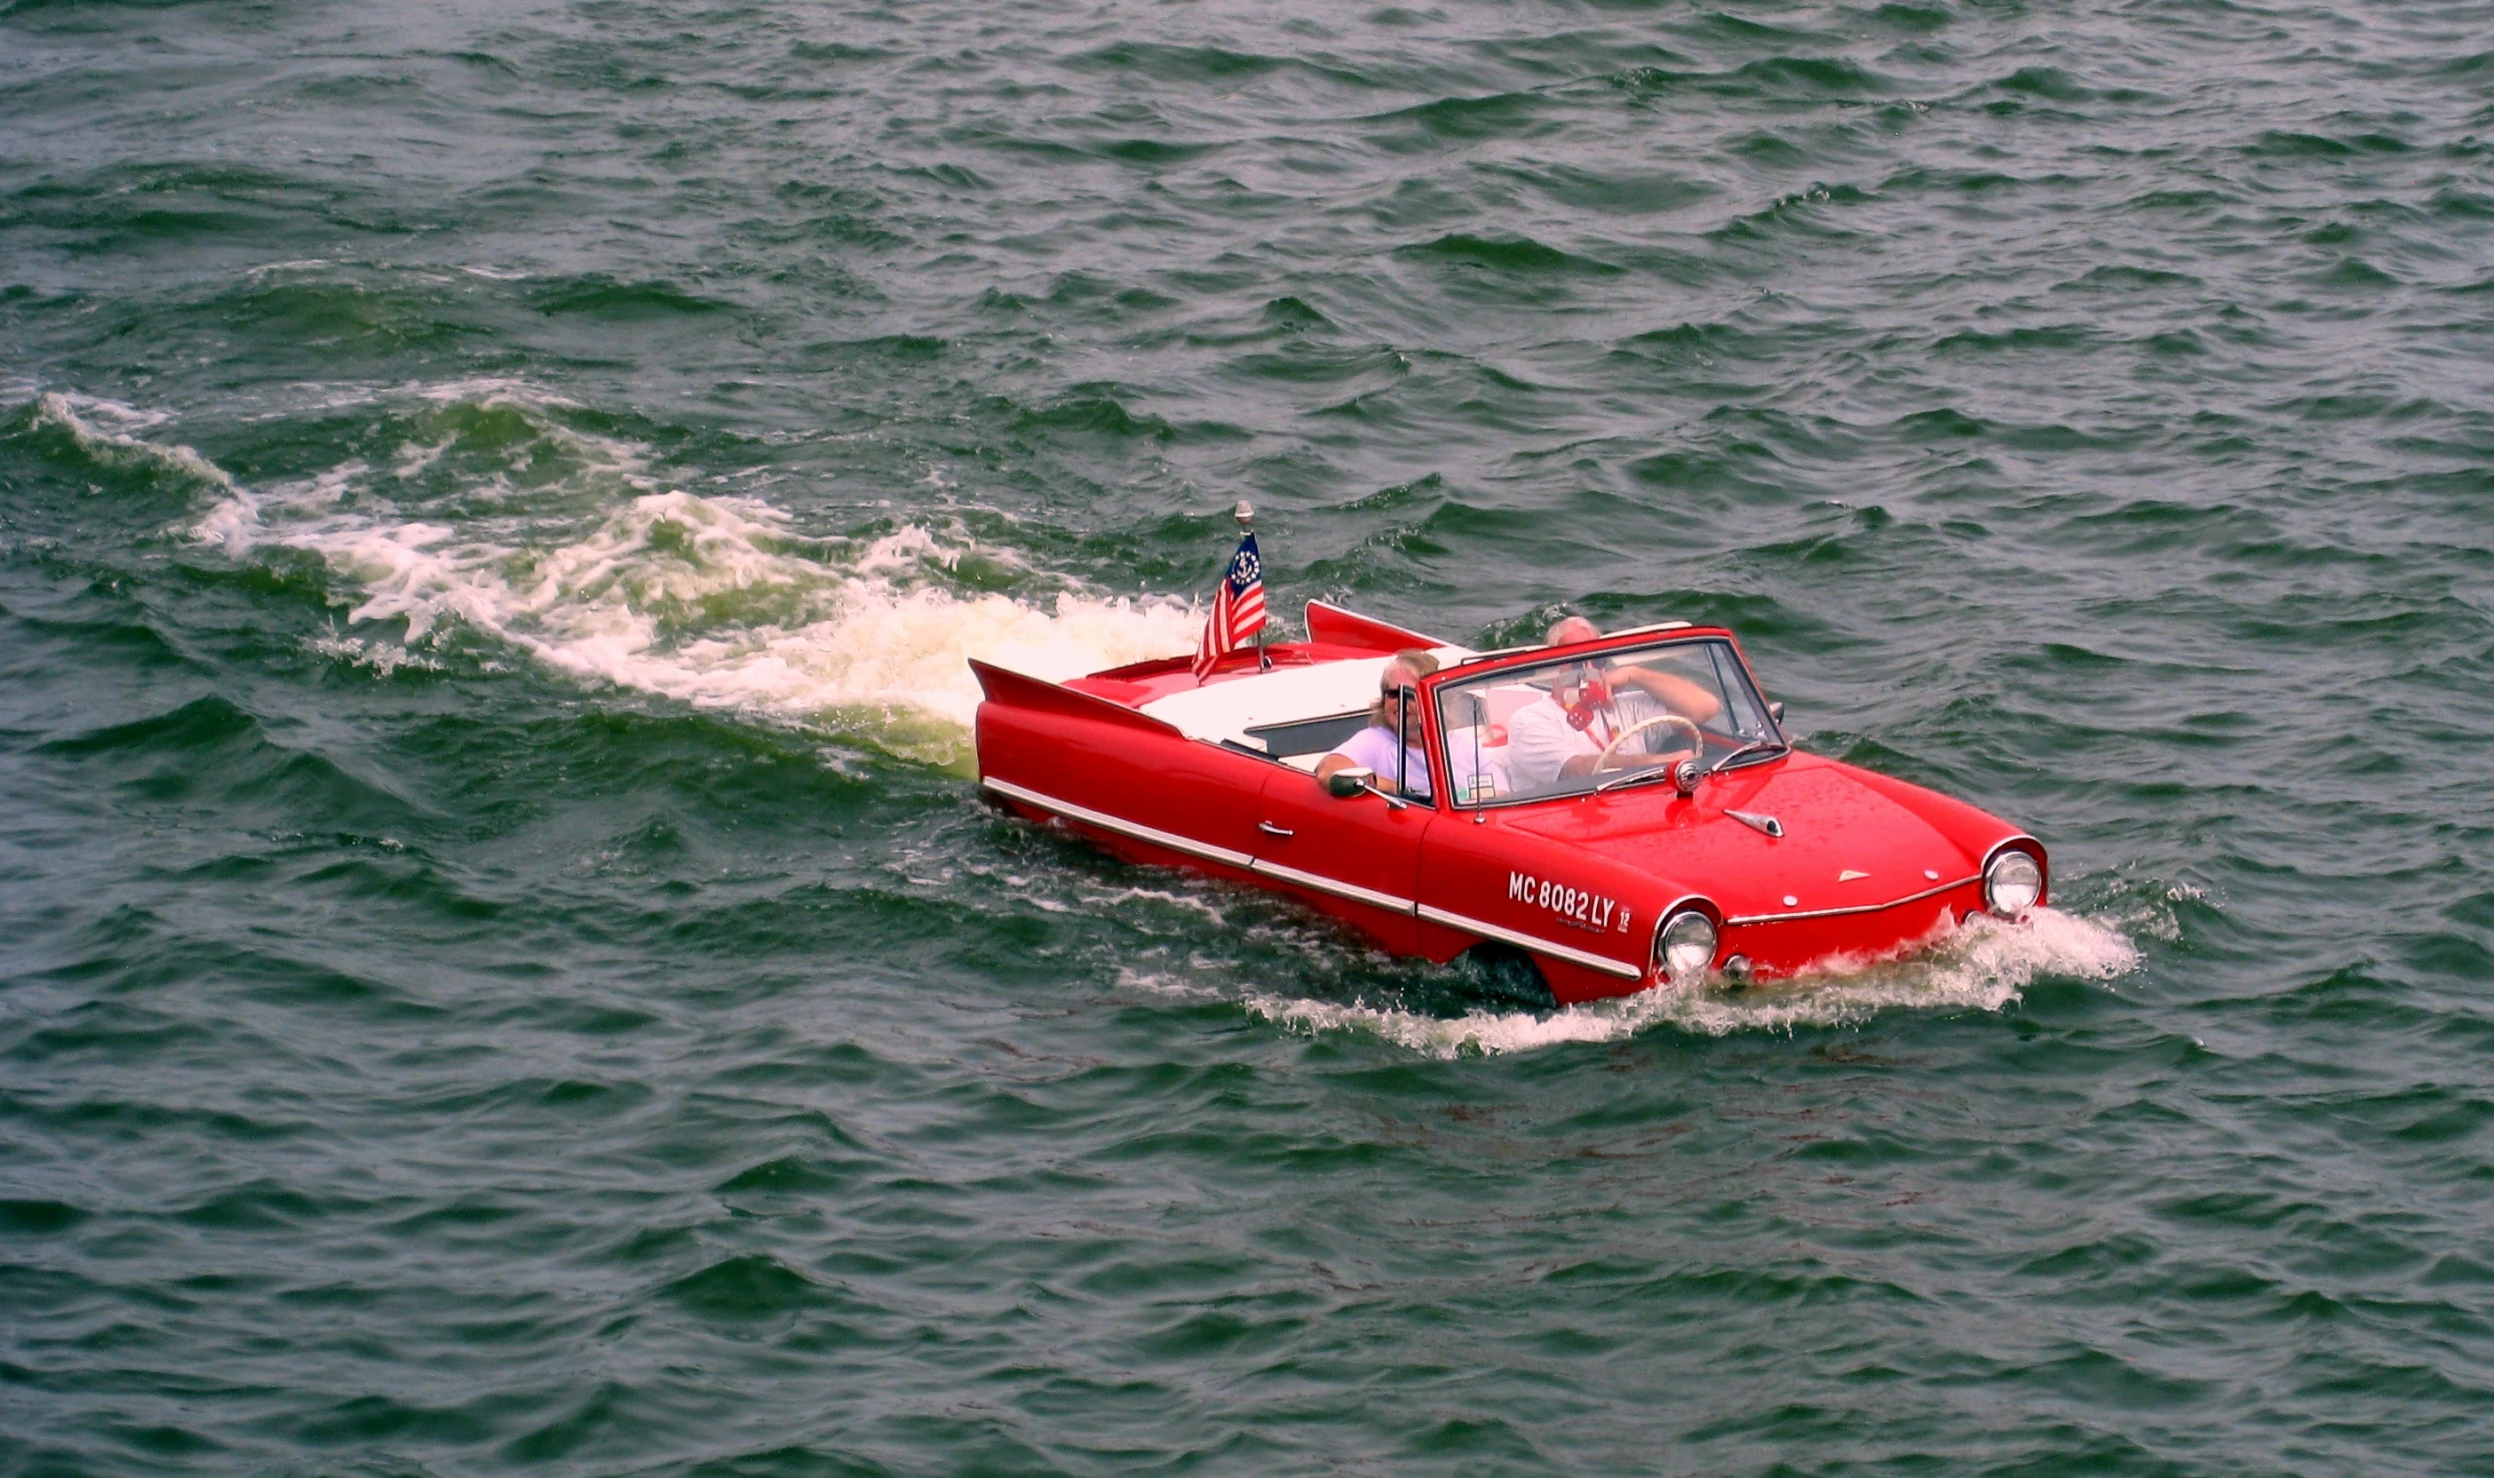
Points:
[(1569, 629)]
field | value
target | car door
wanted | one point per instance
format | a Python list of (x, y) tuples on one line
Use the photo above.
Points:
[(1355, 858)]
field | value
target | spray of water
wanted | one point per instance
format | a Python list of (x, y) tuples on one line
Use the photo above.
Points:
[(1981, 967)]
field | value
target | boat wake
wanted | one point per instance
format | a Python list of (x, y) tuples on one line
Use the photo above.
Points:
[(498, 515)]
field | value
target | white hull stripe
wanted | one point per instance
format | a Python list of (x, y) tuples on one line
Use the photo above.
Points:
[(1830, 913), (1573, 956), (1352, 891), (1106, 822), (1241, 860)]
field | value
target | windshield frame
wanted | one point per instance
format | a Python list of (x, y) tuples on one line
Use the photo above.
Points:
[(1466, 673)]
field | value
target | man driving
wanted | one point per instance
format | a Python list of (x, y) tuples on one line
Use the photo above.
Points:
[(1561, 735)]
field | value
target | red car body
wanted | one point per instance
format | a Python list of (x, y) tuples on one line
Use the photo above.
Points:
[(1799, 861)]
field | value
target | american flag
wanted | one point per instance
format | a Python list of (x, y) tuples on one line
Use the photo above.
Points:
[(1237, 609)]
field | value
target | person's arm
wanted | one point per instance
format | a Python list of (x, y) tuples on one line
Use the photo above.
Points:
[(1672, 691), (1337, 760), (1641, 705)]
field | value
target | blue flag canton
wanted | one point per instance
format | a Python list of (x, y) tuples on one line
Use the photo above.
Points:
[(1245, 568)]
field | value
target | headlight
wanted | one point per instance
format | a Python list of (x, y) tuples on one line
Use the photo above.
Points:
[(1686, 945), (2012, 883)]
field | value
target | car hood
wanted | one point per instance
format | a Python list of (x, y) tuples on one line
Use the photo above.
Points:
[(1846, 843)]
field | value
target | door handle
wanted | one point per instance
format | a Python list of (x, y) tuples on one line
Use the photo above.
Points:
[(1269, 829)]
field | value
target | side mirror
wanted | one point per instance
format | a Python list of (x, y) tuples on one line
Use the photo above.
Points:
[(1349, 781), (1775, 711)]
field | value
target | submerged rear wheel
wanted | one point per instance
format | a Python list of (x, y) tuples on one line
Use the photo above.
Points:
[(1506, 975)]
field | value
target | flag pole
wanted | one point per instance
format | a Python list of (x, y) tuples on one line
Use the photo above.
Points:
[(1245, 513)]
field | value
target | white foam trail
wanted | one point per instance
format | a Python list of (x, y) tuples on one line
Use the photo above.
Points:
[(1163, 983), (488, 392), (651, 599), (380, 658), (1476, 1033), (712, 601), (702, 600), (1983, 966)]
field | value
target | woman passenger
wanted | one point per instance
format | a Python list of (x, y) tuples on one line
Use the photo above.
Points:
[(1374, 748)]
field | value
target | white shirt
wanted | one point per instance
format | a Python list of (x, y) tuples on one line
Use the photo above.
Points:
[(1373, 747), (1540, 739)]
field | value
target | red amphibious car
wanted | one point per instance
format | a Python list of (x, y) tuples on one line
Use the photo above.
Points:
[(1622, 813)]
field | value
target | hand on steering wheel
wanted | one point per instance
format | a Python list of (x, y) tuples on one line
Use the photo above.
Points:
[(1697, 737)]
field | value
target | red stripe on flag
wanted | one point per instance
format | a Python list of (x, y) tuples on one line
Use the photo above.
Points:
[(1237, 614), (1217, 641)]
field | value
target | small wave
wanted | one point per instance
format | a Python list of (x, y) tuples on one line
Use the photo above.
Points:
[(1515, 254), (1983, 966), (107, 432), (380, 658), (601, 296)]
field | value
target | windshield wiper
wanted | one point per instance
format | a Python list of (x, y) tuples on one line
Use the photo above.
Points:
[(1752, 747), (1659, 772), (1663, 772)]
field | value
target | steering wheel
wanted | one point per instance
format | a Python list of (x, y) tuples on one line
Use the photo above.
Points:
[(1697, 737)]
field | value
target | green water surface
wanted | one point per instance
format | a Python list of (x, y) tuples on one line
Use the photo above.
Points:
[(502, 967)]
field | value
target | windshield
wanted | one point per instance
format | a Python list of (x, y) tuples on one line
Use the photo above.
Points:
[(1571, 726)]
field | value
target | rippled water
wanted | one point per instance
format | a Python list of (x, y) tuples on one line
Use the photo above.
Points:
[(504, 968)]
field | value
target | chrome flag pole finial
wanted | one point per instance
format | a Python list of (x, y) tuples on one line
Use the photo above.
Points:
[(1245, 513)]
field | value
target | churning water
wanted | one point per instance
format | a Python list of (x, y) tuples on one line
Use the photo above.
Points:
[(502, 967)]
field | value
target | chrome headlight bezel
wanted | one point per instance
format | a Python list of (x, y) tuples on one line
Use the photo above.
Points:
[(2013, 882), (1684, 947)]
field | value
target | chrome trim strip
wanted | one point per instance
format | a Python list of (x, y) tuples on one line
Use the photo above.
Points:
[(1089, 817), (1829, 913), (2010, 841), (1321, 884), (1603, 963), (1193, 848), (2003, 845)]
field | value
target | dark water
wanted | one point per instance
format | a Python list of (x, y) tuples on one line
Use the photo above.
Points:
[(503, 968)]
